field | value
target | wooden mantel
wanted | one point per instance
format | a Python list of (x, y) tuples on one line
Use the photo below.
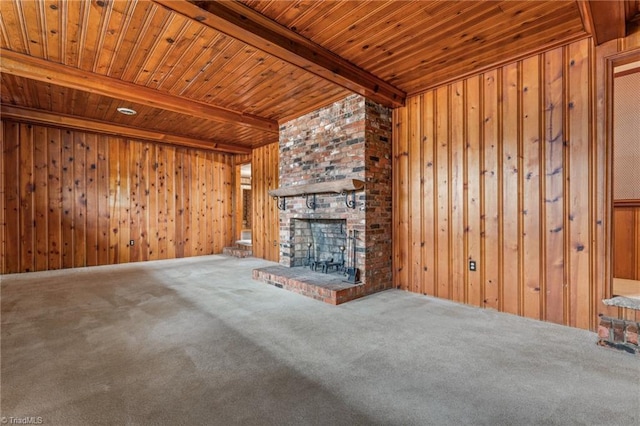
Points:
[(337, 186)]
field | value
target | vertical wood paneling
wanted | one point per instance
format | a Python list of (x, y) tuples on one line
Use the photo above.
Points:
[(161, 200), (186, 216), (103, 190), (579, 190), (457, 193), (472, 172), (3, 223), (91, 199), (626, 242), (179, 204), (228, 213), (205, 236), (274, 214), (209, 176), (511, 294), (26, 190), (601, 150), (428, 278), (215, 207), (73, 198), (259, 174), (220, 207), (525, 194), (11, 165), (258, 184), (154, 234), (114, 201), (124, 227), (40, 199), (553, 152), (531, 191), (443, 279), (196, 198), (135, 233), (79, 200), (490, 215), (401, 213), (171, 203), (414, 263), (265, 221)]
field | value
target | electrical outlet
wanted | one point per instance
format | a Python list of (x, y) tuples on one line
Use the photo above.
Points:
[(131, 242), (472, 265)]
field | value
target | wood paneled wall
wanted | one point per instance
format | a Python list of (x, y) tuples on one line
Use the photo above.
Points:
[(265, 220), (504, 168), (626, 242), (73, 198)]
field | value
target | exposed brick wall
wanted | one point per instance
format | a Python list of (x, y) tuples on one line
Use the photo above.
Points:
[(378, 221), (348, 139)]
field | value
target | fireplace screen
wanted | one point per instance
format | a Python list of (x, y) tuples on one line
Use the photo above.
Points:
[(319, 240)]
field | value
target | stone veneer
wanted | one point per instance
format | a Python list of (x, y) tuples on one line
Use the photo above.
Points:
[(350, 139)]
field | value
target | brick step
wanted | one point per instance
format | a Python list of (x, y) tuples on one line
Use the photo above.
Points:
[(241, 246), (238, 250), (619, 334)]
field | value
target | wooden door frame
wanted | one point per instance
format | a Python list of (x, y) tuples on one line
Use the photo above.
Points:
[(238, 198), (611, 61)]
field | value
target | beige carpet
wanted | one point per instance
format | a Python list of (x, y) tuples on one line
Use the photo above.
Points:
[(197, 342)]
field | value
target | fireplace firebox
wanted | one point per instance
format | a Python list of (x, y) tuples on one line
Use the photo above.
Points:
[(319, 242)]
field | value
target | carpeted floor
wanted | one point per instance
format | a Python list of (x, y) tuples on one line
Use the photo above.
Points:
[(197, 342)]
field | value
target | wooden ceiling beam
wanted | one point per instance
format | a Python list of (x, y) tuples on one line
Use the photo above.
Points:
[(632, 11), (78, 123), (605, 20), (49, 72), (248, 26)]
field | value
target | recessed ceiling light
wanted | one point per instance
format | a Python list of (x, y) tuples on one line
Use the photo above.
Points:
[(127, 111)]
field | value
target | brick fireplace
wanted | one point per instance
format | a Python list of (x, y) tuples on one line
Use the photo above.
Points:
[(350, 139)]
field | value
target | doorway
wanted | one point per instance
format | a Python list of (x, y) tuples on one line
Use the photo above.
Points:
[(626, 181), (244, 205)]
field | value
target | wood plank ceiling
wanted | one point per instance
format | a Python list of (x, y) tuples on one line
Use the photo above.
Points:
[(172, 62), (418, 45)]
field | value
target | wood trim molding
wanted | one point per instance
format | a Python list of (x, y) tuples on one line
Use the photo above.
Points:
[(585, 15), (59, 120), (627, 72), (42, 70), (626, 203), (250, 27)]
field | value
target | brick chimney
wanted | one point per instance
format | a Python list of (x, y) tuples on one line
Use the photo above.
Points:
[(350, 139)]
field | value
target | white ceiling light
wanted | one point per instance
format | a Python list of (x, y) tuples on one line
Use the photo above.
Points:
[(127, 111)]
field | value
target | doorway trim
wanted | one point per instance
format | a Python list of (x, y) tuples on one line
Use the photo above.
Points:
[(611, 62)]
